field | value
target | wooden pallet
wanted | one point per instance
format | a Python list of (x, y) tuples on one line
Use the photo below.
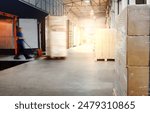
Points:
[(105, 59)]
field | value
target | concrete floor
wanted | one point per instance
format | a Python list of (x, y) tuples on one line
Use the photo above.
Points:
[(78, 75)]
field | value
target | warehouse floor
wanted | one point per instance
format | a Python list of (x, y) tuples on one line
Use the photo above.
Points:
[(79, 74)]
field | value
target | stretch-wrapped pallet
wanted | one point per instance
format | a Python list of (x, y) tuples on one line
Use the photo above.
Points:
[(56, 37), (105, 43), (133, 51)]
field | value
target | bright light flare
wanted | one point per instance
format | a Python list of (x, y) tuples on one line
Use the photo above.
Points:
[(86, 1)]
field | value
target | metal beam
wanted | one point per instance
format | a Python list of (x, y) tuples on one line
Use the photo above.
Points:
[(72, 2), (81, 9)]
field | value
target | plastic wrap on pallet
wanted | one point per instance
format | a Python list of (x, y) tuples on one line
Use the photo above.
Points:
[(56, 41), (105, 43), (134, 20), (121, 75)]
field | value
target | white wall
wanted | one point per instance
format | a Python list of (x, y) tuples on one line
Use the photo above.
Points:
[(29, 29), (148, 1)]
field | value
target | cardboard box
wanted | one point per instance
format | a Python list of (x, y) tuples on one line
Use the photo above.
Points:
[(138, 50), (138, 81), (133, 50), (135, 20), (139, 20)]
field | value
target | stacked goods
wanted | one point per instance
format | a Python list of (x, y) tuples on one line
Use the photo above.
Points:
[(6, 34), (105, 43), (132, 55), (56, 36)]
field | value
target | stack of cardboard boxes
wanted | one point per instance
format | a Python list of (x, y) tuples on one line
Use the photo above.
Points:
[(133, 51), (6, 34), (56, 36)]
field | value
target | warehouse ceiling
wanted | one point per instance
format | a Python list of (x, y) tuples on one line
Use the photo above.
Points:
[(86, 8)]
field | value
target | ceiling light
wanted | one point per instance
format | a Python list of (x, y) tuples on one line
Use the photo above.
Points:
[(86, 1)]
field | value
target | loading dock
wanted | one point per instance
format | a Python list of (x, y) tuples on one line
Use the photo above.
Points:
[(79, 73)]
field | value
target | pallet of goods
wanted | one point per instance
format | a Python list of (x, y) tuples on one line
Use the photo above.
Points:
[(105, 44), (56, 37), (133, 51)]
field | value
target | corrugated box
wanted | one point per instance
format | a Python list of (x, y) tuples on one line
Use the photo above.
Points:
[(134, 20), (138, 50), (138, 81), (139, 20), (133, 50), (132, 65)]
